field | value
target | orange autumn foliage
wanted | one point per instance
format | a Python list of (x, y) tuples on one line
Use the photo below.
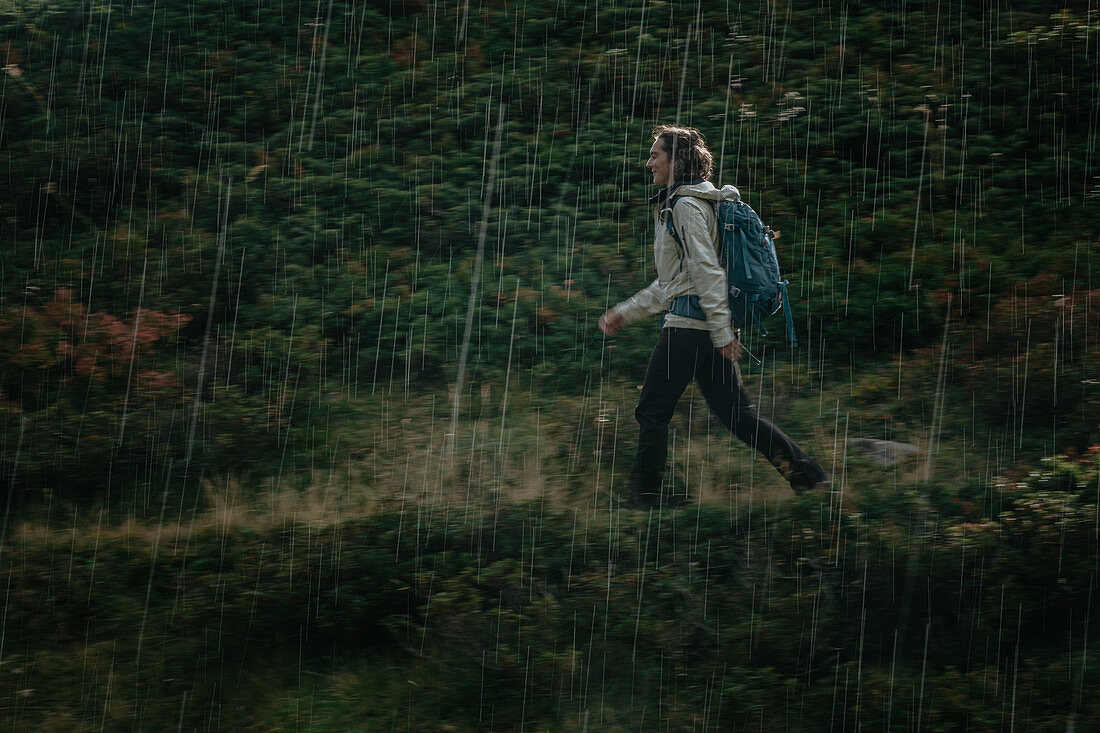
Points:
[(63, 335)]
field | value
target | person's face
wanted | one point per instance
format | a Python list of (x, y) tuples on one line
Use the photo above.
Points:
[(659, 164)]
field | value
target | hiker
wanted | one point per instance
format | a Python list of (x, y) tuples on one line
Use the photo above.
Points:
[(704, 345)]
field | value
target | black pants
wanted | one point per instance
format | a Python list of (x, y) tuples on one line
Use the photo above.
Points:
[(680, 355)]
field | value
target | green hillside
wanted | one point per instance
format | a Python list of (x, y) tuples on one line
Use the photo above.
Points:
[(279, 274)]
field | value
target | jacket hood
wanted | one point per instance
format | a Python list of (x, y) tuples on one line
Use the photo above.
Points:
[(706, 190), (699, 190)]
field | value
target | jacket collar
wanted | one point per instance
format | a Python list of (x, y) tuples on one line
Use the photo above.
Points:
[(666, 191)]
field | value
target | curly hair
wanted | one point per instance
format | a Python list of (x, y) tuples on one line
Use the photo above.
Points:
[(688, 151)]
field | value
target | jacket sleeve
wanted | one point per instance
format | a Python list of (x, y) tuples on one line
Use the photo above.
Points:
[(708, 278), (646, 302)]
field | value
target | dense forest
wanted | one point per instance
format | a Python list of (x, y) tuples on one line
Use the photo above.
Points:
[(299, 366)]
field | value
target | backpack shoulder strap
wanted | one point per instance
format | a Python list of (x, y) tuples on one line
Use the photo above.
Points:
[(670, 225), (666, 215)]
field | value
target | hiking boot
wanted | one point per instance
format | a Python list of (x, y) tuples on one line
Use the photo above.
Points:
[(641, 494), (807, 475), (641, 497)]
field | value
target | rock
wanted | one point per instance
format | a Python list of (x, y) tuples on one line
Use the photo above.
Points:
[(882, 452)]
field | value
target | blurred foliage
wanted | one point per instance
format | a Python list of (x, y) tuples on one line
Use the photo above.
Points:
[(304, 184), (71, 379), (233, 229), (953, 610)]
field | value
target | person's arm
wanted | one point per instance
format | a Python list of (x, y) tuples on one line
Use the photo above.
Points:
[(646, 302), (708, 278)]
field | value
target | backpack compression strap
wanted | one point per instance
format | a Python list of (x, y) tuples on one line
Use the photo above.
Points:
[(787, 312)]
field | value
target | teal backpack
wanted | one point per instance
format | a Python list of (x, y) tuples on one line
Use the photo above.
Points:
[(746, 249)]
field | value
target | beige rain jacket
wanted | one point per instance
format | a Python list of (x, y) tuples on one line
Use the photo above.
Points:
[(694, 272)]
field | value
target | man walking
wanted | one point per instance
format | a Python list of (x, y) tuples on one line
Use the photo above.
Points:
[(689, 347)]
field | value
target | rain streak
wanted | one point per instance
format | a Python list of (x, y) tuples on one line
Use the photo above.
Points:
[(409, 365)]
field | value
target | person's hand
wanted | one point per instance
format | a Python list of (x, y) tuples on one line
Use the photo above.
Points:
[(731, 351), (611, 322)]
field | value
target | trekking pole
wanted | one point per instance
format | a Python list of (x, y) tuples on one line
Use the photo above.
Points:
[(751, 355)]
